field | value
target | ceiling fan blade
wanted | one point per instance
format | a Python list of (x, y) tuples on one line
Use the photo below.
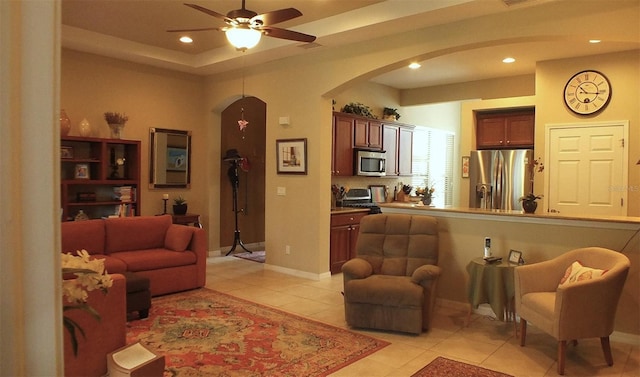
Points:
[(276, 16), (186, 30), (212, 13), (275, 32)]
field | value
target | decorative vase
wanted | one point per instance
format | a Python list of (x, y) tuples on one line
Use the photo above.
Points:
[(65, 123), (85, 128), (529, 206), (116, 130), (179, 209), (426, 201)]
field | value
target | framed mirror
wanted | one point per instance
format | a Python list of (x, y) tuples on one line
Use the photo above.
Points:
[(170, 160)]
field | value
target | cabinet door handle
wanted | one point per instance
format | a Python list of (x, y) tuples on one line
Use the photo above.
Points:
[(508, 141), (501, 142), (351, 218)]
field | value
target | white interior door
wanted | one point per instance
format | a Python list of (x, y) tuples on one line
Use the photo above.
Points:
[(586, 169)]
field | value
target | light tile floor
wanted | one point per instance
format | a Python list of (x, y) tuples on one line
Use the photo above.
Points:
[(485, 342)]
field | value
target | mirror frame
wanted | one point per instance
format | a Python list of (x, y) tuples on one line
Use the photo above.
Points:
[(153, 131)]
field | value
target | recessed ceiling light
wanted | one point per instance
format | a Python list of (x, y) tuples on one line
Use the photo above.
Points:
[(414, 65), (508, 60), (594, 41), (185, 39)]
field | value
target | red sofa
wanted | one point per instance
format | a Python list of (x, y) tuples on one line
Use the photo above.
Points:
[(172, 256)]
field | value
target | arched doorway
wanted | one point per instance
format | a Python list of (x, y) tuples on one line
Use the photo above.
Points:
[(250, 144)]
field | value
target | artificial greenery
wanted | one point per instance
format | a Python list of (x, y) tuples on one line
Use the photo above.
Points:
[(358, 109), (179, 200), (387, 111)]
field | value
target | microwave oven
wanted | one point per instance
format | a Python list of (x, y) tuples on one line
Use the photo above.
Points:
[(370, 163)]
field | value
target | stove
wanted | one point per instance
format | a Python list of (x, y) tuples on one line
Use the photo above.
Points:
[(360, 198)]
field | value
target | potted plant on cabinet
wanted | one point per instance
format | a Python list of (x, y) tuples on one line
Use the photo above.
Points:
[(179, 206), (390, 114)]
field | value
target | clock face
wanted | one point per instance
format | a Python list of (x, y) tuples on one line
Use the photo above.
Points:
[(587, 92)]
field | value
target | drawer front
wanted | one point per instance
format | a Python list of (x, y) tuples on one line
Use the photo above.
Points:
[(347, 219)]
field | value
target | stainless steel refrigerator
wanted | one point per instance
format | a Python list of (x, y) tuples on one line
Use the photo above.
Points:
[(499, 178)]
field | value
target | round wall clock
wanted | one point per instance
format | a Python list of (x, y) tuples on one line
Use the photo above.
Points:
[(587, 92)]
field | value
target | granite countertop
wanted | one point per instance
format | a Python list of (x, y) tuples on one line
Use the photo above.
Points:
[(340, 210), (510, 213)]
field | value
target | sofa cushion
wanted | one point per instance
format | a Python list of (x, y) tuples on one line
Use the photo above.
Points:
[(88, 235), (111, 264), (153, 259), (385, 290), (135, 233), (178, 237)]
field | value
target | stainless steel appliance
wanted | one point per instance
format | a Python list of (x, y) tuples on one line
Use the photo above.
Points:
[(360, 198), (370, 163), (499, 178)]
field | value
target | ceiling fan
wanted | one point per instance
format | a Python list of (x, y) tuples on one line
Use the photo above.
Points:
[(246, 26)]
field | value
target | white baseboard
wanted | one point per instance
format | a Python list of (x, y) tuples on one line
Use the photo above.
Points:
[(298, 273)]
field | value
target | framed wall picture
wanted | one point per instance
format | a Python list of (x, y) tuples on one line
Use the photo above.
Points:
[(465, 166), (81, 171), (291, 156), (66, 152), (377, 193), (515, 256)]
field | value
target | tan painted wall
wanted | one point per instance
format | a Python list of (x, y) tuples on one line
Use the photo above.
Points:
[(151, 97)]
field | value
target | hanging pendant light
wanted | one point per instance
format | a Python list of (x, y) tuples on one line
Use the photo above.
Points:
[(242, 37)]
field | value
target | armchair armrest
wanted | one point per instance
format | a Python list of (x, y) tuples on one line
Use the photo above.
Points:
[(356, 268), (539, 277), (425, 273)]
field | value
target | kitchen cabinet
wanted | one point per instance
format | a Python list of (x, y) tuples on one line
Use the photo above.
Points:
[(398, 145), (99, 177), (505, 130), (343, 238), (342, 157), (367, 134)]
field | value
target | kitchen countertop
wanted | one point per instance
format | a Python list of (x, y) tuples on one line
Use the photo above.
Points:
[(630, 222), (341, 210)]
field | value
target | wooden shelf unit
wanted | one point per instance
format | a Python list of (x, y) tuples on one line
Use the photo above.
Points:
[(95, 194)]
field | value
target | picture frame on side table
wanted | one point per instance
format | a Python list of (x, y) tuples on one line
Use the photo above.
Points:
[(291, 156), (515, 257), (66, 152), (81, 171), (465, 166)]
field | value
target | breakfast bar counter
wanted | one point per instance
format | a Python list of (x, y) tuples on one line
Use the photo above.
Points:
[(617, 222)]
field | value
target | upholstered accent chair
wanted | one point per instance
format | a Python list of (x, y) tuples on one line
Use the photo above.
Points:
[(572, 296), (391, 284)]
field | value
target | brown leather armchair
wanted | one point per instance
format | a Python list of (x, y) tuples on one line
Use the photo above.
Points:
[(391, 283), (585, 308)]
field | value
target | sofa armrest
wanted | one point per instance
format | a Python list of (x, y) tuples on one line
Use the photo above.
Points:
[(199, 246), (425, 273), (101, 337), (356, 268)]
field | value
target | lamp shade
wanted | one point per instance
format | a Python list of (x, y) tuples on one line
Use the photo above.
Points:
[(243, 37)]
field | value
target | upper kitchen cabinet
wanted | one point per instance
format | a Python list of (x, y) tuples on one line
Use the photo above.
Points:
[(367, 133), (342, 158), (398, 145), (505, 130)]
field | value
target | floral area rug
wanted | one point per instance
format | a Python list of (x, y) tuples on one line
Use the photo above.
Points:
[(208, 333), (256, 256), (445, 367)]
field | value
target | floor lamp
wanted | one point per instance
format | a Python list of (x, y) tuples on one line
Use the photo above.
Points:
[(233, 158)]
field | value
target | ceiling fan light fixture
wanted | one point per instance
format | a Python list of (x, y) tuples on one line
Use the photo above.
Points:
[(243, 37)]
